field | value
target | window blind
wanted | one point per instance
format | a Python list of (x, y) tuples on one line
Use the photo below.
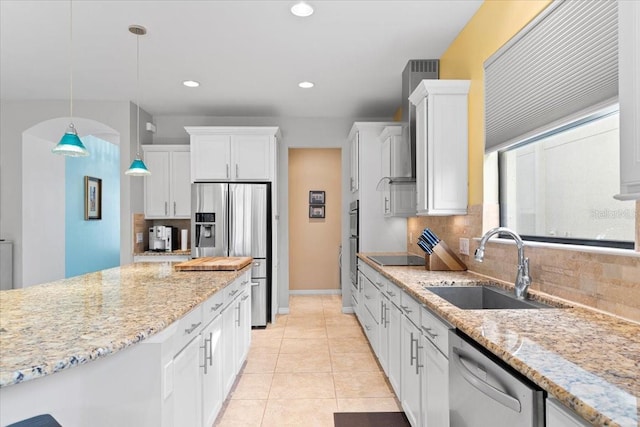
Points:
[(564, 63)]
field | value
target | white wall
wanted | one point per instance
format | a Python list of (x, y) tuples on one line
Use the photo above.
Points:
[(297, 132), (18, 116)]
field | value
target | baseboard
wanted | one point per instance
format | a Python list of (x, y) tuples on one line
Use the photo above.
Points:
[(316, 292), (348, 310), (283, 310)]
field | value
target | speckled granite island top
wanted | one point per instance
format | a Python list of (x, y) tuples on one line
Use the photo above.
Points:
[(588, 360), (58, 325)]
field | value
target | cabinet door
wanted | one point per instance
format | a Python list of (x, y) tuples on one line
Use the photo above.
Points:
[(251, 159), (410, 370), (355, 160), (394, 329), (383, 345), (629, 97), (228, 347), (156, 185), (187, 398), (212, 387), (559, 416), (402, 199), (435, 386), (210, 157), (180, 184)]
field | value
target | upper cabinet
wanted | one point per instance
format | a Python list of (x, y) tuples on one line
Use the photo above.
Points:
[(397, 186), (354, 144), (629, 98), (220, 153), (167, 191), (441, 146)]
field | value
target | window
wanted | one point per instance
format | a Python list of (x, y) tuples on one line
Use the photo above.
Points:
[(559, 186)]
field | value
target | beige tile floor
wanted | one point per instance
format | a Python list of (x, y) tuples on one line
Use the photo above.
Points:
[(311, 363)]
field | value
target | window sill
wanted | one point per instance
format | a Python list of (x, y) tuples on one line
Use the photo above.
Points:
[(568, 247)]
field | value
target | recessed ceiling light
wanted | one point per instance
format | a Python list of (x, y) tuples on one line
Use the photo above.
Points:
[(302, 9), (191, 83), (306, 85)]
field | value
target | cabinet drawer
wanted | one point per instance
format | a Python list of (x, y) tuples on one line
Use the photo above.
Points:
[(435, 329), (392, 292), (212, 307), (410, 308), (231, 291), (371, 329), (372, 299), (188, 328), (369, 272)]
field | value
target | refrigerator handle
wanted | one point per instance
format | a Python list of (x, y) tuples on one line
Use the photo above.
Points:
[(231, 221)]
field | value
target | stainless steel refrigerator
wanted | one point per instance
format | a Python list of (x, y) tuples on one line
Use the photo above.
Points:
[(230, 219)]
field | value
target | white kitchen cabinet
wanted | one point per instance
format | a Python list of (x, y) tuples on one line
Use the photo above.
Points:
[(557, 415), (629, 98), (354, 144), (410, 372), (441, 146), (383, 344), (435, 385), (228, 347), (187, 399), (212, 387), (220, 153), (243, 327), (167, 191), (397, 187), (394, 328), (377, 233)]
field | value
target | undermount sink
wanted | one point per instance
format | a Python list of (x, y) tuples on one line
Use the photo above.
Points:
[(483, 298)]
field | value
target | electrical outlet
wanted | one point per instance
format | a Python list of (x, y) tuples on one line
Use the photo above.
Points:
[(464, 246), (139, 238)]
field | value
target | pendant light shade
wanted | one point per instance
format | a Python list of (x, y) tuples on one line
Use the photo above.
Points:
[(137, 168), (70, 144)]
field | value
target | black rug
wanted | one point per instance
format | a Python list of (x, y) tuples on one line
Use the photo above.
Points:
[(370, 419)]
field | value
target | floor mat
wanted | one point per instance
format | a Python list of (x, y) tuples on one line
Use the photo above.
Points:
[(370, 419)]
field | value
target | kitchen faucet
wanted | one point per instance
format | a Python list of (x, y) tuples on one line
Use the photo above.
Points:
[(523, 280)]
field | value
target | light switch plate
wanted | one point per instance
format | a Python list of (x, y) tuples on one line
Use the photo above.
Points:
[(139, 238), (464, 246)]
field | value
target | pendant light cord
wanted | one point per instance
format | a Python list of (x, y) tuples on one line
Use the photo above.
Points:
[(71, 60), (138, 94)]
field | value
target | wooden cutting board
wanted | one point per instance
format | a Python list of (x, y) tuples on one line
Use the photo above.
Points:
[(214, 263)]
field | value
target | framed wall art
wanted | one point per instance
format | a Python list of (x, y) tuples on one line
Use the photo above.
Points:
[(316, 211), (92, 198), (316, 197)]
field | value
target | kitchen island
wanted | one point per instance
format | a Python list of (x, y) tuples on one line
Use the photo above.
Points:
[(588, 360), (49, 329)]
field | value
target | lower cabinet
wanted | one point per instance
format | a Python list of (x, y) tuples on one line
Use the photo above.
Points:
[(187, 399), (394, 329), (557, 415), (212, 393), (435, 385), (228, 348), (410, 380)]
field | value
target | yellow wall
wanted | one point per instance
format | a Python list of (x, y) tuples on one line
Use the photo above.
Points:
[(492, 26), (314, 243)]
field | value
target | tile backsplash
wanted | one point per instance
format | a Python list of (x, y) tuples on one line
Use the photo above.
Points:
[(603, 281)]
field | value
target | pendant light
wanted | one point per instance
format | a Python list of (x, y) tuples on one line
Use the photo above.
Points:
[(138, 168), (70, 144)]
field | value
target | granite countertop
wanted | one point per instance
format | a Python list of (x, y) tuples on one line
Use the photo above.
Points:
[(588, 360), (58, 325)]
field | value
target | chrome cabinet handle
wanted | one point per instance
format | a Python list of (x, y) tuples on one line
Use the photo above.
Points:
[(386, 205), (484, 387), (204, 347), (418, 365), (238, 319), (367, 296), (174, 208), (411, 356), (227, 170), (428, 331), (217, 306), (406, 308), (236, 170), (386, 318), (391, 294), (244, 297), (193, 327), (166, 208)]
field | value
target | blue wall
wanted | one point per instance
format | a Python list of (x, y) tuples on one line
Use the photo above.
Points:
[(92, 245)]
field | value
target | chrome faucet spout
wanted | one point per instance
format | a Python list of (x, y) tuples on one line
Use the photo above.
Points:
[(523, 280)]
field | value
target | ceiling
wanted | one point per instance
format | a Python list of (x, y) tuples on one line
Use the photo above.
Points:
[(249, 56)]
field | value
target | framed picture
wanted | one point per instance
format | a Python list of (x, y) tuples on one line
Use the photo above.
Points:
[(92, 198), (316, 197), (316, 211)]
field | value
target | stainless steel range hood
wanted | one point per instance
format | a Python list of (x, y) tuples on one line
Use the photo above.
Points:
[(414, 72)]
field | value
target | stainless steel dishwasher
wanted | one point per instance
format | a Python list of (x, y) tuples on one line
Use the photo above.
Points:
[(483, 392)]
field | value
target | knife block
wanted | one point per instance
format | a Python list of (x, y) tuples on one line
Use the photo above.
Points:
[(443, 259)]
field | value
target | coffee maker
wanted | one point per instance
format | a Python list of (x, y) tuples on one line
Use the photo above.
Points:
[(163, 238)]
